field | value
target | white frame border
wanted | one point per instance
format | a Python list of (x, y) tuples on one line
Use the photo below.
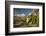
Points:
[(27, 28)]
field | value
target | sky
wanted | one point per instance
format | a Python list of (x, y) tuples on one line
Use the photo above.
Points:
[(22, 11)]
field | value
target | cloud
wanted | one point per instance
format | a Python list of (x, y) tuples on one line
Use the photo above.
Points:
[(20, 14)]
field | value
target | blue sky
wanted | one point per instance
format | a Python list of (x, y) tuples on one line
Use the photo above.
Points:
[(22, 10)]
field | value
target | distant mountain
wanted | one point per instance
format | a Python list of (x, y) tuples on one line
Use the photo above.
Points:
[(19, 14), (29, 13)]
